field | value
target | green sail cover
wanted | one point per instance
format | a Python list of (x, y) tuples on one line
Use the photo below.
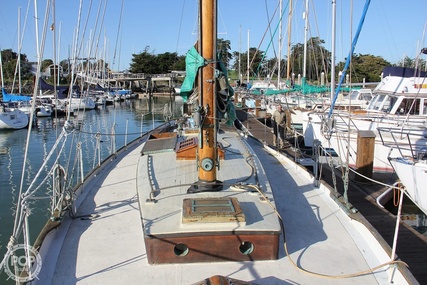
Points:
[(193, 61)]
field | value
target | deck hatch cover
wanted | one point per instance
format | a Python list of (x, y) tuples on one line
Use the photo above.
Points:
[(159, 145), (212, 210)]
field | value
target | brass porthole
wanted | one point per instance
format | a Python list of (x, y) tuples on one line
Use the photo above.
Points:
[(181, 249), (246, 248)]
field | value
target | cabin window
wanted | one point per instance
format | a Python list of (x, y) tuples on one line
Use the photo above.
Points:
[(353, 95), (376, 102), (366, 96), (408, 106), (388, 104), (424, 107), (372, 103), (359, 95)]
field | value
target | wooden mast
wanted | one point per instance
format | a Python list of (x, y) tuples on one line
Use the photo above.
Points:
[(207, 148)]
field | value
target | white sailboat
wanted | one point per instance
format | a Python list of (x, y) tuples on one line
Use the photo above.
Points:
[(10, 118)]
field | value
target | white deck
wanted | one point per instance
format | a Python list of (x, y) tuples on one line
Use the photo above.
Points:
[(176, 176), (110, 249)]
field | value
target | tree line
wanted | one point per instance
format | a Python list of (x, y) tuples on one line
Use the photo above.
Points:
[(364, 66)]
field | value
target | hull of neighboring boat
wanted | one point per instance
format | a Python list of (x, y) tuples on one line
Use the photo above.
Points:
[(82, 104), (398, 102), (345, 143), (77, 104), (414, 177), (43, 111), (13, 120)]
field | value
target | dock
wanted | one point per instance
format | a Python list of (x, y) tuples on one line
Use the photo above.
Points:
[(128, 80), (411, 245)]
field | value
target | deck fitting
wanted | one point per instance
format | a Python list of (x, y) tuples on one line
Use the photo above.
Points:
[(205, 186)]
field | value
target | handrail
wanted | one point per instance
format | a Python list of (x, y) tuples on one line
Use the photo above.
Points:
[(411, 135)]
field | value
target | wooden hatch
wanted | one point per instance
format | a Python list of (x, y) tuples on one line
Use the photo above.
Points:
[(159, 142), (187, 149)]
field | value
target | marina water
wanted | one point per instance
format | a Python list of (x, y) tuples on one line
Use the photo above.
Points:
[(129, 118)]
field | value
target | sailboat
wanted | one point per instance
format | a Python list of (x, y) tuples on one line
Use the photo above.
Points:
[(11, 118), (199, 200)]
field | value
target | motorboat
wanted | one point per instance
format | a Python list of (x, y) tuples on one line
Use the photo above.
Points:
[(399, 100)]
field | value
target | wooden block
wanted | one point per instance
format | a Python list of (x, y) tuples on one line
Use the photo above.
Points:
[(365, 154), (187, 149)]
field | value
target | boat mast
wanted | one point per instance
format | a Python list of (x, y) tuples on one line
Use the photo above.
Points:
[(279, 65), (333, 50), (247, 64), (240, 62), (207, 148), (304, 73), (19, 52), (1, 72), (288, 74)]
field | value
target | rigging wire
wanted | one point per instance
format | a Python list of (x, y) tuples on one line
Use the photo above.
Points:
[(262, 39), (118, 33), (353, 45), (38, 74), (20, 41), (322, 51), (22, 210), (74, 56), (269, 26), (345, 168), (180, 25)]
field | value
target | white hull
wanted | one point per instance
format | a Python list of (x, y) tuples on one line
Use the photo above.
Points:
[(44, 111), (345, 143), (75, 104), (13, 119), (413, 176), (399, 101)]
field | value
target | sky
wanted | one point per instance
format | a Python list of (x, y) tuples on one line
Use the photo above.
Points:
[(392, 29)]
